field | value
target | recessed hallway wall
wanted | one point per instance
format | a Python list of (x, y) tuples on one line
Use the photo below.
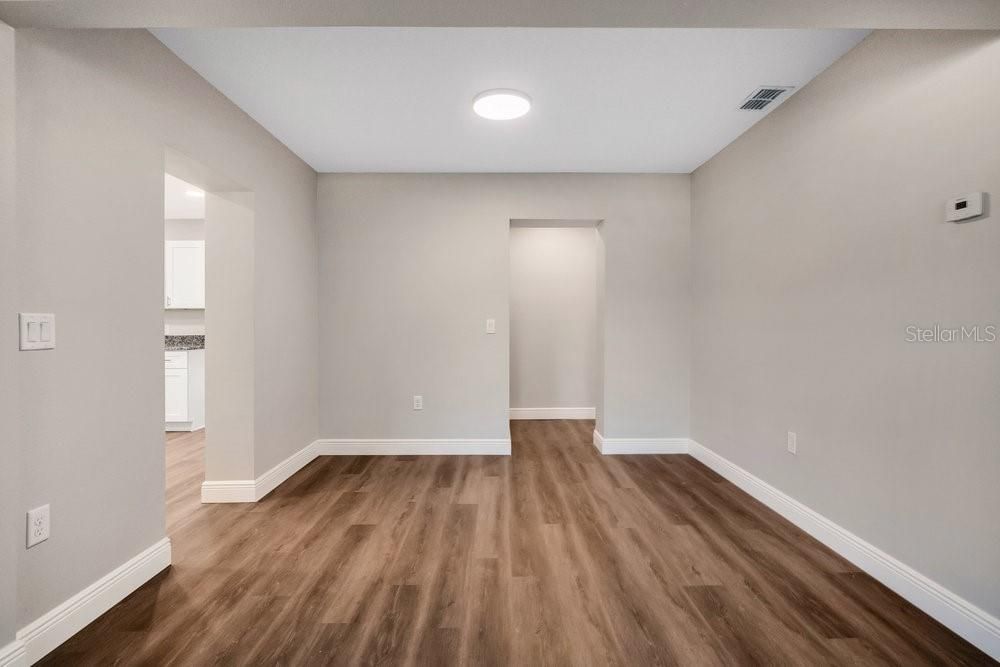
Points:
[(553, 317)]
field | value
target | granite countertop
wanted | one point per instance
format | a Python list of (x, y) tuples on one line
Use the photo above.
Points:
[(176, 343)]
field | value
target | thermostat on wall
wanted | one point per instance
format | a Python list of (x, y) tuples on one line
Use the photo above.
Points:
[(965, 207)]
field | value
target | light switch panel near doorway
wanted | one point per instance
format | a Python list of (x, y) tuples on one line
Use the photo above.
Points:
[(38, 331)]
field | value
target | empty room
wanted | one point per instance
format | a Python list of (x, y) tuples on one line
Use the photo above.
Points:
[(499, 333)]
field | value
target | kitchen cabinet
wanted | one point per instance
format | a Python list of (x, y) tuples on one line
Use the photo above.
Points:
[(184, 390), (176, 391), (184, 275)]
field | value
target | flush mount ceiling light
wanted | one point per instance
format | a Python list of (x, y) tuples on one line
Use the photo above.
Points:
[(194, 193), (501, 104)]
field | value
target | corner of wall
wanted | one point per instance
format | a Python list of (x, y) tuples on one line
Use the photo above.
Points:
[(11, 526)]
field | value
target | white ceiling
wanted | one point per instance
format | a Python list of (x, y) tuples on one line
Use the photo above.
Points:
[(604, 100), (177, 204)]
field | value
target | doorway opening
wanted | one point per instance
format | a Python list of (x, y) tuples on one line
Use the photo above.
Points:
[(184, 340), (184, 304), (556, 319), (208, 306)]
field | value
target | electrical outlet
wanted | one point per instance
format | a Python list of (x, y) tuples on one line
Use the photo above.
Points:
[(38, 525), (418, 402), (792, 442)]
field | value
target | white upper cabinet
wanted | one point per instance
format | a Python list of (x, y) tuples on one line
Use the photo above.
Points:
[(184, 284)]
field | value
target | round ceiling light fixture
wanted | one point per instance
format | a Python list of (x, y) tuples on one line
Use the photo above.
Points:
[(501, 104)]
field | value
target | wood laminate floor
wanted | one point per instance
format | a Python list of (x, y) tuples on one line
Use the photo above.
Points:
[(554, 555)]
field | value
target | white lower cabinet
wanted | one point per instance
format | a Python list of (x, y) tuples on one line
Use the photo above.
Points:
[(176, 390), (184, 390)]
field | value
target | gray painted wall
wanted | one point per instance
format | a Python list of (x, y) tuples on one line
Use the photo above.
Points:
[(229, 344), (818, 238), (95, 111), (601, 317), (553, 317), (10, 513), (395, 321)]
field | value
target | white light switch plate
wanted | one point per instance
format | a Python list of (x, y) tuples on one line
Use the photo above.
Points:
[(491, 326), (38, 525), (793, 444), (418, 402), (38, 331)]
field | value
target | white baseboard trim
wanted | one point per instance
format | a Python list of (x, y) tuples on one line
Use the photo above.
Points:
[(451, 447), (53, 628), (13, 655), (229, 491), (961, 616), (270, 480), (640, 445), (182, 427), (252, 490), (553, 413)]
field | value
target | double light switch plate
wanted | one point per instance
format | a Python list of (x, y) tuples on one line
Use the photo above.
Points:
[(38, 331)]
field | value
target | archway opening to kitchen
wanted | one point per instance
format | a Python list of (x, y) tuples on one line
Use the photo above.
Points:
[(208, 336)]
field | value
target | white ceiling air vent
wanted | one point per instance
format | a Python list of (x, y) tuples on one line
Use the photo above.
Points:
[(763, 96)]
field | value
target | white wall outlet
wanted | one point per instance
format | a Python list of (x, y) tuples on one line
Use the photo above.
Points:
[(38, 525), (38, 331), (792, 443), (418, 402), (491, 326)]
